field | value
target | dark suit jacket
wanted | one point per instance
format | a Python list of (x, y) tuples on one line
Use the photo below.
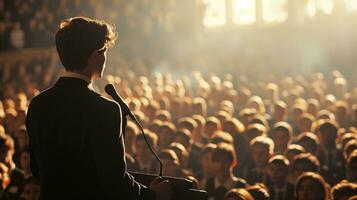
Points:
[(77, 146)]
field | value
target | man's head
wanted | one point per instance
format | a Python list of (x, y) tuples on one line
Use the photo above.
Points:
[(278, 169), (81, 44)]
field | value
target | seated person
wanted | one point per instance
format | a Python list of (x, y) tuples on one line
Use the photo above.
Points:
[(278, 169), (311, 186), (31, 189), (281, 135), (223, 180), (304, 162), (262, 149), (351, 167), (344, 190)]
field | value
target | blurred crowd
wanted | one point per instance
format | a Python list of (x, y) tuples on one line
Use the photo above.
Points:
[(283, 137), (33, 23), (260, 136)]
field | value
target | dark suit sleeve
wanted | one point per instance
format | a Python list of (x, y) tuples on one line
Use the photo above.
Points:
[(31, 126), (109, 154)]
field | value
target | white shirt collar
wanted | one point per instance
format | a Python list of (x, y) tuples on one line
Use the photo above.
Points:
[(77, 75)]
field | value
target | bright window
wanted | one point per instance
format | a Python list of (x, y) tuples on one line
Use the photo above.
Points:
[(215, 13), (244, 11), (351, 5), (274, 10), (324, 6)]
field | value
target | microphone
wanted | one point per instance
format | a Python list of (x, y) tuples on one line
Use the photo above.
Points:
[(110, 90)]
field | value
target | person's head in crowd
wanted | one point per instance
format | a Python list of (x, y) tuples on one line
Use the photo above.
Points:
[(329, 102), (343, 190), (163, 115), (351, 167), (25, 161), (181, 152), (349, 148), (326, 115), (164, 103), (272, 90), (238, 194), (140, 116), (278, 169), (296, 112), (255, 130), (200, 121), (212, 125), (294, 150), (262, 149), (187, 123), (21, 101), (131, 131), (134, 104), (280, 111), (257, 103), (151, 109), (170, 163), (223, 116), (4, 177), (183, 136), (327, 133), (224, 159), (354, 112), (206, 160), (21, 137), (246, 115), (2, 130), (304, 162), (309, 141), (341, 112), (31, 189), (7, 150), (281, 135), (340, 85), (346, 137), (259, 191), (243, 95), (140, 147), (313, 106), (155, 125), (260, 119), (305, 122), (234, 127), (311, 186), (10, 121), (227, 106), (221, 136), (166, 134), (199, 106), (84, 51)]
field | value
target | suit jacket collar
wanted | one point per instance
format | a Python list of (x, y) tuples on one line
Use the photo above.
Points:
[(73, 82)]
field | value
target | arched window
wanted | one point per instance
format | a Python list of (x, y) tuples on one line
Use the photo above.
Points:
[(215, 13), (323, 6), (244, 11), (274, 10)]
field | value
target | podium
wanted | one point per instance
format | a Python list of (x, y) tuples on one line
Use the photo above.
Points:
[(182, 188)]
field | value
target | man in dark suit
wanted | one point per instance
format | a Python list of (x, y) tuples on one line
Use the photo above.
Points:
[(76, 140)]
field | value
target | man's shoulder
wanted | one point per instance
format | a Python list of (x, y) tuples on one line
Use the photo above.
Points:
[(103, 101)]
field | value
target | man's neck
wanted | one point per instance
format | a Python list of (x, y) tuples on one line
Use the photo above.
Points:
[(80, 75)]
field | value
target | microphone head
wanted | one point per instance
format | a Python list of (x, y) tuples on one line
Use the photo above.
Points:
[(110, 89)]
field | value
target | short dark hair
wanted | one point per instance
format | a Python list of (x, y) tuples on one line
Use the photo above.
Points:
[(78, 37)]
